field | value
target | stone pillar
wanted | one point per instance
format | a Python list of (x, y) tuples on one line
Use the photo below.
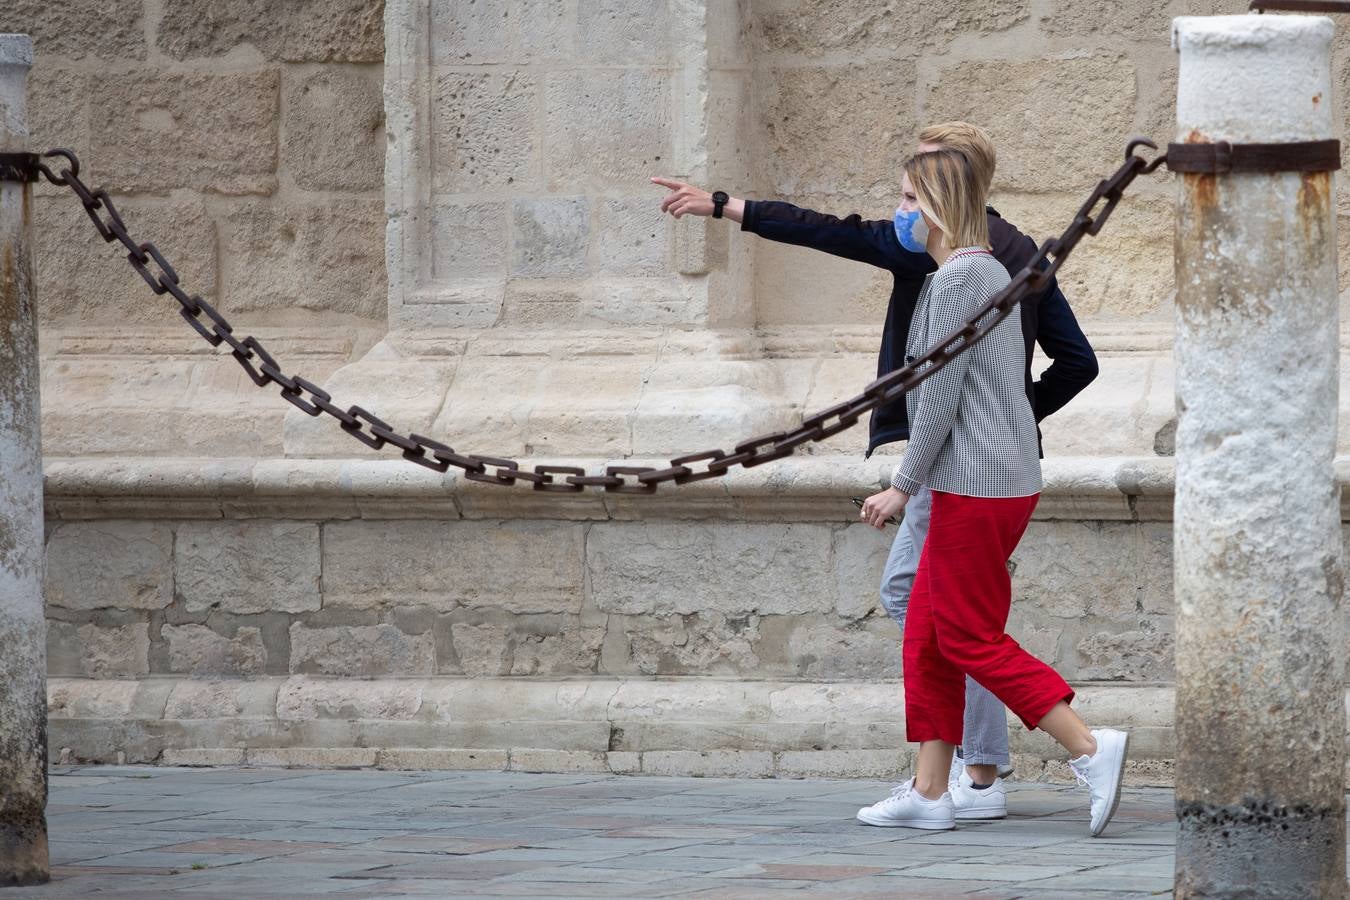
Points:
[(23, 630), (1260, 681)]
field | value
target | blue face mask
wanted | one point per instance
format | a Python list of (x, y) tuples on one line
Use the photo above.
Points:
[(911, 230)]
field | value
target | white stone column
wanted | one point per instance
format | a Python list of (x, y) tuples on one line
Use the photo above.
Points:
[(23, 630), (1260, 680)]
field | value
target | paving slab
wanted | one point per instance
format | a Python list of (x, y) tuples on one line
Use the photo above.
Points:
[(129, 831)]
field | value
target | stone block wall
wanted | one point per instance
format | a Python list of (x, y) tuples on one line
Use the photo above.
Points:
[(439, 210), (311, 612), (1059, 84), (522, 139), (362, 598), (244, 138)]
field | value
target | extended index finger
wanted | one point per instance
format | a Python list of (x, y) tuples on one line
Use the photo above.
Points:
[(668, 182)]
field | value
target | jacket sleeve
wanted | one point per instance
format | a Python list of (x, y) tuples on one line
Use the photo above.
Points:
[(952, 303), (867, 241), (1073, 365)]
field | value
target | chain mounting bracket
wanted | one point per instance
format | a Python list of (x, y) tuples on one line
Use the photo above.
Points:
[(22, 167), (1303, 6), (1223, 157)]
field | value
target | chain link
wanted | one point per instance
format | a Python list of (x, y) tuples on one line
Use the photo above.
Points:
[(375, 433)]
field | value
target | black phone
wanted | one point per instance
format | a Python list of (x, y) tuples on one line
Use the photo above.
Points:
[(890, 520)]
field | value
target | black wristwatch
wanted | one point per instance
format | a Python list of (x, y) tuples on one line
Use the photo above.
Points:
[(719, 199)]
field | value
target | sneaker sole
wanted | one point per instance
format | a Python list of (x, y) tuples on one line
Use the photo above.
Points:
[(1115, 791), (891, 823), (981, 814)]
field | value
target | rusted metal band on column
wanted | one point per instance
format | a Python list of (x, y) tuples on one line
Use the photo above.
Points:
[(1303, 6), (1222, 157), (18, 167)]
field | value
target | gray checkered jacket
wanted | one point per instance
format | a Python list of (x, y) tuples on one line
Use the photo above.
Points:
[(972, 430)]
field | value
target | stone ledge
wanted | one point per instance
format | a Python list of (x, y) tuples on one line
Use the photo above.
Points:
[(801, 489), (671, 726)]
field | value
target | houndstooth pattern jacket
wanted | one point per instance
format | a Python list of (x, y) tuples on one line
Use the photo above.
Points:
[(972, 430)]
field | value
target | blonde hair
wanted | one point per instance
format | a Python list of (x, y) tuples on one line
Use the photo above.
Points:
[(952, 195), (971, 140)]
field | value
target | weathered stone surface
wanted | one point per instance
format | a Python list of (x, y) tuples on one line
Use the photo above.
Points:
[(81, 279), (248, 567), (307, 698), (193, 756), (199, 650), (421, 758), (686, 567), (1091, 613), (56, 109), (1143, 655), (214, 132), (97, 651), (651, 302), (1092, 98), (698, 644), (468, 239), (842, 763), (541, 302), (198, 698), (633, 236), (480, 33), (801, 104), (83, 698), (335, 30), (312, 757), (568, 651), (521, 567), (623, 31), (550, 236), (860, 553), (324, 256), (117, 564), (407, 393), (1147, 20), (333, 134), (107, 29), (709, 763), (533, 760), (825, 651), (360, 650), (797, 286), (481, 649), (483, 132), (813, 27), (1127, 274), (606, 128)]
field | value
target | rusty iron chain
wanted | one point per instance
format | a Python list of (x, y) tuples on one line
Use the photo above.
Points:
[(375, 433)]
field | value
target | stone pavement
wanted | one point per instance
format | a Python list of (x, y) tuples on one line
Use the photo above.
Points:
[(146, 832)]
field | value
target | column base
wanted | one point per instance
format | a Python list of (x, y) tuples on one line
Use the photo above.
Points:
[(24, 857), (1261, 850)]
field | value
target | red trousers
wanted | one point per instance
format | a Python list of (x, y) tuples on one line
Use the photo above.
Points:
[(958, 609)]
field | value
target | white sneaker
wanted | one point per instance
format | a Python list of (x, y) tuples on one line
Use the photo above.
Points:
[(969, 803), (907, 808), (958, 772), (1102, 774)]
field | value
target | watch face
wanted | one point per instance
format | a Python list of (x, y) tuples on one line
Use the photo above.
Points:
[(720, 196)]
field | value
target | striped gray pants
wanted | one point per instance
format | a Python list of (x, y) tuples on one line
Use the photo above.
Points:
[(984, 740)]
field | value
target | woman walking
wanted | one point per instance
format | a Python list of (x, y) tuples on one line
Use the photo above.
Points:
[(973, 443)]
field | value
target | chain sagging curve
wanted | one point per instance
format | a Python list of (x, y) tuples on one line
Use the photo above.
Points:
[(375, 433)]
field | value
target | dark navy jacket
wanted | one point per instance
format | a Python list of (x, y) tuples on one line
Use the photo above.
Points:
[(1048, 321)]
